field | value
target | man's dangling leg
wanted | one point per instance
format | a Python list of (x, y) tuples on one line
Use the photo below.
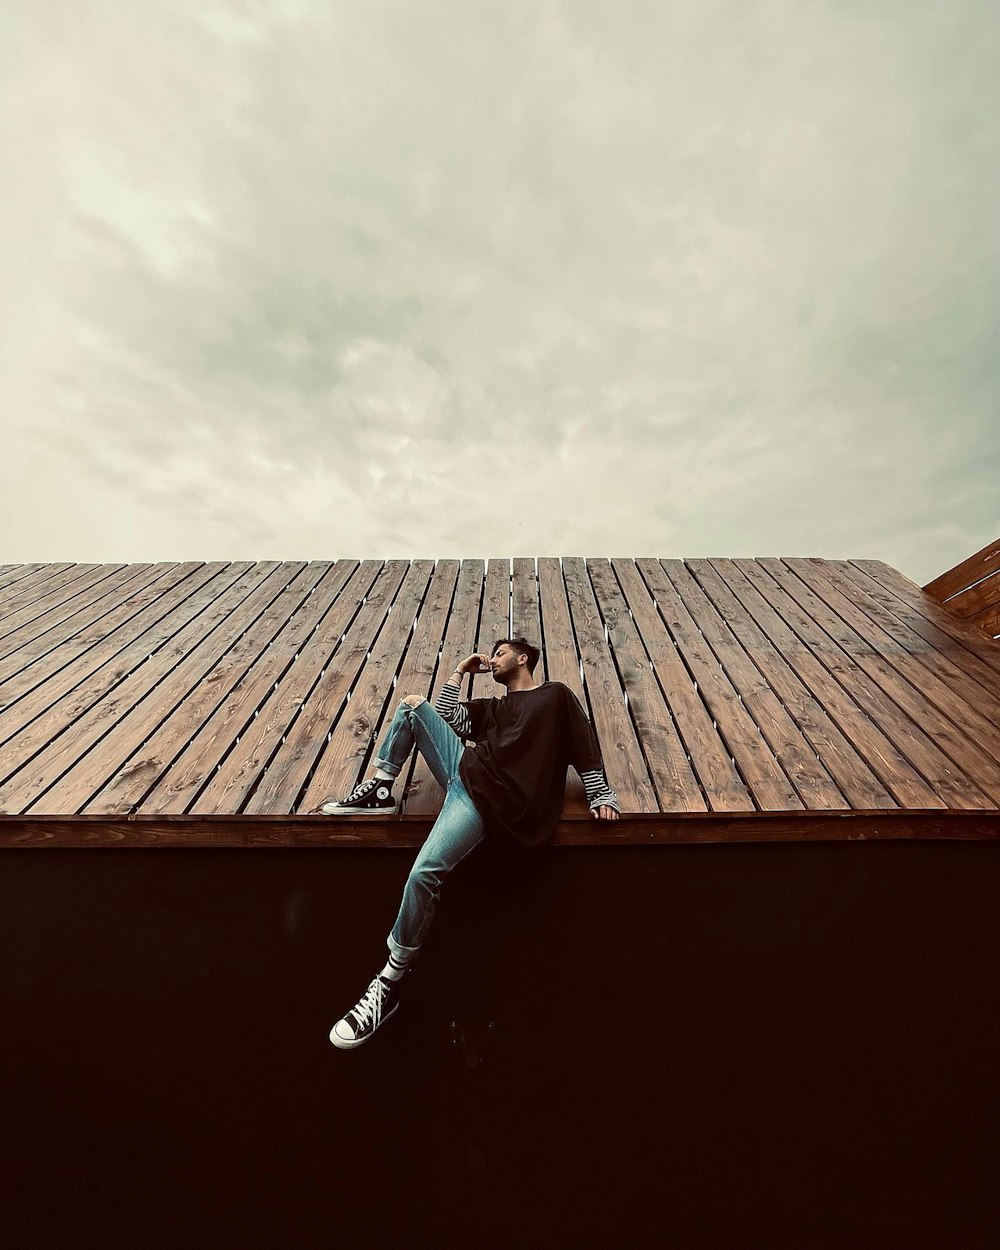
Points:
[(458, 829)]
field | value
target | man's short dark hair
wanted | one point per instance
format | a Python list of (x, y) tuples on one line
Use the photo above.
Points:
[(523, 647)]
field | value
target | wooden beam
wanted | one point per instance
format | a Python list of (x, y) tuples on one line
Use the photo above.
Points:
[(971, 570), (643, 830)]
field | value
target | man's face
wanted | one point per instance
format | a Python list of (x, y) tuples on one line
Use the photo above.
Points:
[(504, 662)]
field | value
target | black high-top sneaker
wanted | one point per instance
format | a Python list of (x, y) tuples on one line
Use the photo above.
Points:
[(371, 798), (379, 1002)]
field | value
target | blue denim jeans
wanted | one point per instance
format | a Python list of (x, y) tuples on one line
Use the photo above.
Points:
[(458, 829)]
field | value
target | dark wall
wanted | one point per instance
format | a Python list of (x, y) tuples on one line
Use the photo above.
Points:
[(761, 1045)]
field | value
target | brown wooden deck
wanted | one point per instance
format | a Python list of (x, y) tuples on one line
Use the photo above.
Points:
[(223, 703)]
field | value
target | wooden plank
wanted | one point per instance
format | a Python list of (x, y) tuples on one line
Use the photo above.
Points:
[(955, 647), (676, 786), (350, 743), (255, 650), (39, 606), (559, 659), (101, 647), (968, 604), (781, 770), (461, 633), (980, 662), (704, 751), (28, 576), (910, 593), (988, 621), (919, 678), (494, 623), (61, 644), (8, 572), (416, 676), (906, 760), (54, 606), (241, 770), (62, 736), (792, 673), (526, 619), (423, 795), (624, 765), (288, 772), (755, 778), (916, 759), (749, 717), (525, 610), (74, 613), (689, 828), (562, 659), (59, 701), (218, 649), (218, 734), (562, 662), (949, 665), (17, 573), (24, 604), (420, 661), (981, 564)]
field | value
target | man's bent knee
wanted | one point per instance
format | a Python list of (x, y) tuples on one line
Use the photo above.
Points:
[(414, 700)]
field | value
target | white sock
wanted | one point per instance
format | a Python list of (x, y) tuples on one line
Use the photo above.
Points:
[(382, 775), (392, 971)]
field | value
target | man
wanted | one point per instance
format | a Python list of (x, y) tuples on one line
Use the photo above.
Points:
[(508, 786)]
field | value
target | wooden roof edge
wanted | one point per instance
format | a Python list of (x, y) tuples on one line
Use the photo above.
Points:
[(484, 560), (967, 572), (645, 829), (971, 590)]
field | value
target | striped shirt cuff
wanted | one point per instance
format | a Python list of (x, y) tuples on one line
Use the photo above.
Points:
[(599, 793), (450, 711)]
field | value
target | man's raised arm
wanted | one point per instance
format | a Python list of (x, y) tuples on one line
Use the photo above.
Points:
[(448, 706)]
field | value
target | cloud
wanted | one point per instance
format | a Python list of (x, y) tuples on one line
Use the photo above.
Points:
[(305, 280)]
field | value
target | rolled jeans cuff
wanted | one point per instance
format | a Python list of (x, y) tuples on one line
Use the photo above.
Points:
[(388, 767), (401, 954)]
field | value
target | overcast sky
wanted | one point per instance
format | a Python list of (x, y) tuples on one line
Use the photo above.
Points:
[(439, 278)]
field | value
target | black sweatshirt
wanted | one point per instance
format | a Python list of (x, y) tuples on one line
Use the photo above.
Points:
[(524, 742)]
